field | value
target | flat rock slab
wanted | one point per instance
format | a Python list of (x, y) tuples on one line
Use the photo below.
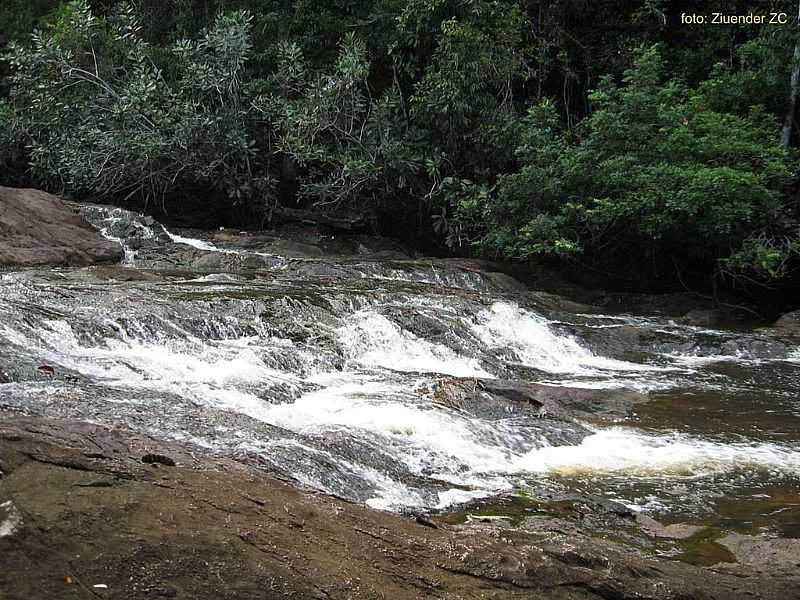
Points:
[(764, 555), (492, 397), (37, 229), (675, 531), (90, 519)]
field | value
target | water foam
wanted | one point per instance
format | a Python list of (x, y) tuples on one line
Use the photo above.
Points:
[(382, 400), (371, 340), (107, 219), (424, 437), (196, 243), (488, 457), (211, 247), (12, 521), (522, 337), (129, 254), (229, 374), (619, 450), (794, 356)]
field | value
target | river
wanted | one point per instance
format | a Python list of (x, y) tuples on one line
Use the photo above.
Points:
[(334, 371)]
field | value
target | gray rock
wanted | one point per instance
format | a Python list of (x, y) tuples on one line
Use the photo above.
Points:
[(706, 318), (203, 514), (497, 397), (676, 531), (506, 283), (788, 324), (763, 555), (210, 260), (116, 273)]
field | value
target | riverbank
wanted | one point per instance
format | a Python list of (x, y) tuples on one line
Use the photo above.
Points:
[(97, 512), (219, 416), (41, 229)]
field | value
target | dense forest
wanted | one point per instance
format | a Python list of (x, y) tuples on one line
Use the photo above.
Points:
[(615, 138)]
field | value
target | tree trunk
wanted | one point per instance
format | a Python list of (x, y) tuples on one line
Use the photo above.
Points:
[(794, 88)]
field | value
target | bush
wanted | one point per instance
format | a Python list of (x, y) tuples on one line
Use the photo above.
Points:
[(654, 176), (101, 115), (12, 153), (106, 113), (346, 145)]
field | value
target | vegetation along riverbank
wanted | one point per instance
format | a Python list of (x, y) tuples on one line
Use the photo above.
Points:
[(635, 150), (350, 300)]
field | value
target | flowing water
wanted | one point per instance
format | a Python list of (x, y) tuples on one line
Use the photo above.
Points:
[(330, 371)]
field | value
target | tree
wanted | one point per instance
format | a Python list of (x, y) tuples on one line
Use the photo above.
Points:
[(794, 88), (102, 116), (656, 179)]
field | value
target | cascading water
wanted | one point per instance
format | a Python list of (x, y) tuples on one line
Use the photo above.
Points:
[(336, 380)]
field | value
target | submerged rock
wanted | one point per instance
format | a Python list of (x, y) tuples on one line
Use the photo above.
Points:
[(37, 228), (114, 273), (499, 398), (675, 531)]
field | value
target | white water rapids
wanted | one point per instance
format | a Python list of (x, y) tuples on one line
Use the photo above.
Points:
[(350, 397)]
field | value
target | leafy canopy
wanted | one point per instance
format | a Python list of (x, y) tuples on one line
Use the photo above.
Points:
[(653, 169)]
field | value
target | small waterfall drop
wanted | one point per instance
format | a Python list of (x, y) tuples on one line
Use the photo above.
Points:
[(336, 376)]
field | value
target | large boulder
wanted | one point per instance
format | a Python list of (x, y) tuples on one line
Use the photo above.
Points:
[(788, 324), (37, 228)]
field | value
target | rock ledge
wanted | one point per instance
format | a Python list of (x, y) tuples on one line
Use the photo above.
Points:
[(92, 520), (37, 228)]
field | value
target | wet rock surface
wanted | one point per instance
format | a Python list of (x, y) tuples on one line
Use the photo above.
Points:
[(37, 228), (573, 442), (675, 531), (763, 556), (788, 324), (94, 520), (498, 398)]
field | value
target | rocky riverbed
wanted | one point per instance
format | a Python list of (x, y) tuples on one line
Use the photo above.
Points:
[(306, 414), (97, 512)]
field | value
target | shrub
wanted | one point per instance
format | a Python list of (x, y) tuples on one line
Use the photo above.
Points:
[(348, 145), (654, 174), (101, 115)]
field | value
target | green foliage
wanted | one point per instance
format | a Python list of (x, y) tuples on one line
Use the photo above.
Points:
[(108, 113), (653, 168), (346, 142), (757, 76), (510, 128), (465, 93), (101, 117), (18, 17), (767, 254), (11, 146)]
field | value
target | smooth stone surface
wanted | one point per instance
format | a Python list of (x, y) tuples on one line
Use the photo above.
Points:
[(211, 528), (37, 229)]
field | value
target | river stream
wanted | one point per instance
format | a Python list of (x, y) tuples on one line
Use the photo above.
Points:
[(329, 371)]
